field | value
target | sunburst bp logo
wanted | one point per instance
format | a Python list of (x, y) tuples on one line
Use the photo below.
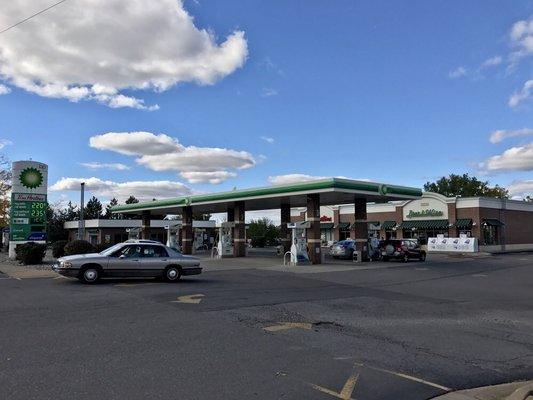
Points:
[(31, 178)]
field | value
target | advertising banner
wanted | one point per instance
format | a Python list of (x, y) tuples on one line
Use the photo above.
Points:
[(28, 201), (454, 245)]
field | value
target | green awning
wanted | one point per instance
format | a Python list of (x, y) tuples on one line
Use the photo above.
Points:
[(388, 225), (465, 223), (492, 222), (343, 225), (425, 224), (326, 225)]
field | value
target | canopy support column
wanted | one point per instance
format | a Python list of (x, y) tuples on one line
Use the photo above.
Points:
[(360, 228), (145, 225), (239, 231), (285, 234), (186, 231), (313, 232)]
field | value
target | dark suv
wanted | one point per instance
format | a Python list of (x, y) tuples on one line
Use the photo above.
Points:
[(401, 249)]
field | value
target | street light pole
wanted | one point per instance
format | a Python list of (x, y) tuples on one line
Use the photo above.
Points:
[(81, 225)]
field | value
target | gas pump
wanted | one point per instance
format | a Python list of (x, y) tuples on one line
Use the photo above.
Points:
[(225, 239), (134, 233), (172, 235), (299, 252)]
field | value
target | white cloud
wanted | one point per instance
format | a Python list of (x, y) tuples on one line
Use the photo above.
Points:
[(4, 143), (521, 188), (143, 190), (298, 178), (522, 95), (292, 178), (458, 72), (269, 92), (521, 37), (112, 166), (268, 139), (492, 62), (164, 153), (518, 158), (214, 177), (499, 135), (4, 89), (81, 47), (135, 143)]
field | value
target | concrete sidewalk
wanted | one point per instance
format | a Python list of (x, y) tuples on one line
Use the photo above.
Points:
[(18, 271)]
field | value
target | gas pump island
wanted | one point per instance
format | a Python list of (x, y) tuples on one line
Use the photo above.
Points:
[(302, 238)]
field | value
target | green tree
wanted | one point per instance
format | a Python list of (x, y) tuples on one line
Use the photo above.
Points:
[(108, 214), (5, 187), (131, 200), (72, 212), (263, 232), (55, 223), (465, 186), (93, 209)]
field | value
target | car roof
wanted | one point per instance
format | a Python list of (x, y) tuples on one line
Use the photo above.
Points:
[(143, 241)]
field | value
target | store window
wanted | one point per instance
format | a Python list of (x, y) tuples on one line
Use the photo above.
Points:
[(490, 235), (422, 235)]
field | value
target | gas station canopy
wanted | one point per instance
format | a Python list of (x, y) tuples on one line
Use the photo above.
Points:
[(332, 191)]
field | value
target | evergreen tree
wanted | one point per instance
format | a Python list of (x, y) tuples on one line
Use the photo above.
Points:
[(108, 214), (72, 212), (93, 209), (131, 200)]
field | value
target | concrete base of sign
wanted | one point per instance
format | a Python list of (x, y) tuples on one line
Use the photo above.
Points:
[(13, 245)]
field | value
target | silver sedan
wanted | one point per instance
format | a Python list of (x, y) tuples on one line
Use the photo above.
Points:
[(133, 258)]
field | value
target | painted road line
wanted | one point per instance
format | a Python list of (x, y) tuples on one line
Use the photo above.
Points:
[(283, 326), (409, 377), (479, 275), (189, 299), (347, 389)]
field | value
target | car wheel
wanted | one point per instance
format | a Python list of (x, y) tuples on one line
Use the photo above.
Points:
[(405, 258), (172, 274), (90, 275), (422, 256)]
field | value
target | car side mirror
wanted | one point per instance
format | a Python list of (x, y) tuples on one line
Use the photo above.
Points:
[(122, 256)]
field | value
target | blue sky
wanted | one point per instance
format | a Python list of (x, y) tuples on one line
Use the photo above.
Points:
[(399, 92)]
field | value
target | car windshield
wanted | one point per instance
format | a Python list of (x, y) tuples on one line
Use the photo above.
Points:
[(111, 250)]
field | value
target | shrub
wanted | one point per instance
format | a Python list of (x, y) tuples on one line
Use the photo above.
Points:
[(101, 247), (259, 241), (58, 248), (78, 247), (30, 253)]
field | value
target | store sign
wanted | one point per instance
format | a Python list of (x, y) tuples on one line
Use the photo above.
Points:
[(425, 208), (453, 245), (28, 201), (424, 213)]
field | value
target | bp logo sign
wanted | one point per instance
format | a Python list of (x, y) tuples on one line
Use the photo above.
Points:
[(31, 178)]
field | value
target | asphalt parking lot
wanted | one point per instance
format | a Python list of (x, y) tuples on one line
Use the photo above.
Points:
[(375, 331)]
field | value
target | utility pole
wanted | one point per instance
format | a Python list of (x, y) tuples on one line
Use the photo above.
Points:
[(81, 225)]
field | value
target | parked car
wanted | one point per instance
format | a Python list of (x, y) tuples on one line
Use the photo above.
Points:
[(133, 258), (402, 249), (342, 249)]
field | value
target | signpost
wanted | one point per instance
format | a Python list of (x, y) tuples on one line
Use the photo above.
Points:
[(28, 204)]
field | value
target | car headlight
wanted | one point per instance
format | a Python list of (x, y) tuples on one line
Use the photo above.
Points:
[(65, 264)]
